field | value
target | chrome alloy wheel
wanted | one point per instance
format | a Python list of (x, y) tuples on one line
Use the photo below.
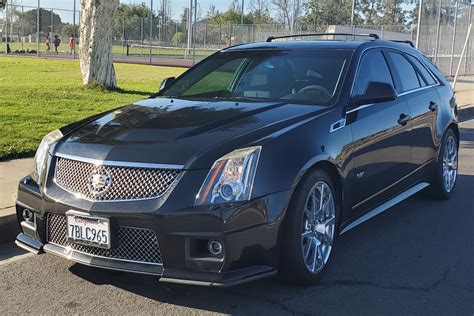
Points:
[(319, 221), (450, 163)]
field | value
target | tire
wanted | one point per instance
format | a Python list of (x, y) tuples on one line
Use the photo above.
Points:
[(441, 188), (308, 231)]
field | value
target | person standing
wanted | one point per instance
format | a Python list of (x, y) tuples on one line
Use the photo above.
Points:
[(48, 44), (71, 44), (56, 43)]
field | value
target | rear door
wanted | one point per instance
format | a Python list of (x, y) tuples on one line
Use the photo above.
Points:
[(417, 86), (381, 145)]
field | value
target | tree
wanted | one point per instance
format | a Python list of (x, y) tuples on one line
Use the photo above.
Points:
[(393, 14), (229, 17), (288, 11), (369, 11), (179, 38), (283, 9), (95, 54), (260, 12), (128, 22), (27, 21), (327, 12)]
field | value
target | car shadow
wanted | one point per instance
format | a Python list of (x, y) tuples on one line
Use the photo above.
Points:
[(409, 247)]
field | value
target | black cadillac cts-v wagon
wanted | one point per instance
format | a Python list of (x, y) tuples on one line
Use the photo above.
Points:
[(248, 165)]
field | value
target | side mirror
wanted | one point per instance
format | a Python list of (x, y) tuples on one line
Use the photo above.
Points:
[(167, 82), (376, 92)]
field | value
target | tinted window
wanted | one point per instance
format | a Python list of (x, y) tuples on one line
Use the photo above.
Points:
[(428, 77), (372, 68), (309, 76), (406, 72)]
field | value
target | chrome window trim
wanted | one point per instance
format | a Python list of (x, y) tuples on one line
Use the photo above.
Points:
[(417, 89), (360, 108), (399, 51), (100, 162)]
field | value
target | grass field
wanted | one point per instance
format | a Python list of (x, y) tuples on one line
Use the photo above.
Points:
[(116, 49), (40, 95)]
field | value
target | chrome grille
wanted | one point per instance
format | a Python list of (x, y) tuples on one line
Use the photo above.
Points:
[(127, 183), (134, 244)]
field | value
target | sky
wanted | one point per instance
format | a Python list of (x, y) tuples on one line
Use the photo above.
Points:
[(177, 5)]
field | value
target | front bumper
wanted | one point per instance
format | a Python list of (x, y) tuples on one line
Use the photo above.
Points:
[(249, 232)]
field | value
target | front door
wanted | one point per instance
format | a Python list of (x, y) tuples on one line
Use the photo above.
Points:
[(381, 145)]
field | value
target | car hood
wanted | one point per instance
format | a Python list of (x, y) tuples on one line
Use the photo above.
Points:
[(176, 131)]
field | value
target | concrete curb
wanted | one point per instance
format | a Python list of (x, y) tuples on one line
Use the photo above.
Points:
[(466, 111), (9, 227)]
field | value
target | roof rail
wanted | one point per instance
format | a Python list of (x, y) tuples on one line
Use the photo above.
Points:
[(372, 35), (405, 42)]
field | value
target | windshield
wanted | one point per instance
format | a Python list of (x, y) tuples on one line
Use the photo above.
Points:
[(308, 76)]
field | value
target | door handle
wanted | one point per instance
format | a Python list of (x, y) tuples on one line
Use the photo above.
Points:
[(433, 106), (404, 118)]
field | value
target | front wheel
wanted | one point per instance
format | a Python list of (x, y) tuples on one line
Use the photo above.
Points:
[(445, 178), (310, 228)]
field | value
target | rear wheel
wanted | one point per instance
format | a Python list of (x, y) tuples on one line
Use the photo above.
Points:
[(445, 178), (310, 230)]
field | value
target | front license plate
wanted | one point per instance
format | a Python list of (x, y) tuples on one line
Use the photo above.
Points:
[(88, 230)]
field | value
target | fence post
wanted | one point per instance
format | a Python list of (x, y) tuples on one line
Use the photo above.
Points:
[(468, 52), (37, 28), (74, 30), (151, 27), (194, 32), (142, 22), (437, 32), (6, 29), (453, 42), (123, 33), (418, 24), (22, 27), (52, 19)]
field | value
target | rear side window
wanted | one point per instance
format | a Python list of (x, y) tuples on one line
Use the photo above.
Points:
[(372, 68), (426, 74), (408, 76)]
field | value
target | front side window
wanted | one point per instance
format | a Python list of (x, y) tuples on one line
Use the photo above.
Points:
[(306, 76), (373, 68)]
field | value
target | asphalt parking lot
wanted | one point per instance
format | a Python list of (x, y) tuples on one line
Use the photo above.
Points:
[(416, 258)]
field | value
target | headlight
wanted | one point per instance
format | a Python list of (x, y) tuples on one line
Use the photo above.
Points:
[(231, 178), (42, 154)]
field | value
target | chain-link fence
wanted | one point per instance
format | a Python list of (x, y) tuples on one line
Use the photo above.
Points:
[(443, 26)]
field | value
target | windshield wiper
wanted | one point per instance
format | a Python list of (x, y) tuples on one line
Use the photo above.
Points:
[(238, 98)]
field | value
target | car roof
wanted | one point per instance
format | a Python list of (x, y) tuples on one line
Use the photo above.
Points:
[(318, 44)]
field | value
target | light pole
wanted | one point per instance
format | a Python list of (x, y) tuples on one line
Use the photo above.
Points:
[(352, 15), (189, 22), (418, 24), (242, 14)]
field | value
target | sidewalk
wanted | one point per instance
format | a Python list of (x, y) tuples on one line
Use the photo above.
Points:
[(10, 173), (464, 90)]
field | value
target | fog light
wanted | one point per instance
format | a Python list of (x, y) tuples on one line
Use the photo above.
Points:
[(27, 215), (215, 247)]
